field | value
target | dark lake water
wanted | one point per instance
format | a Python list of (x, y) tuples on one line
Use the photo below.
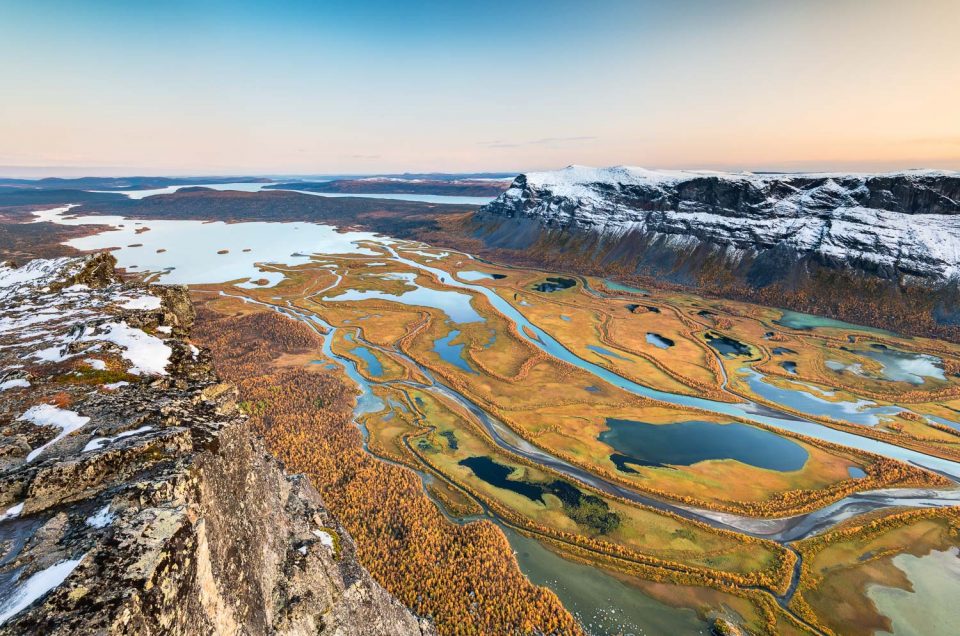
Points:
[(498, 475), (686, 443), (554, 283), (727, 346)]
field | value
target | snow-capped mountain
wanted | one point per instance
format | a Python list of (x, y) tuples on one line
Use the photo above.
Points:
[(899, 226)]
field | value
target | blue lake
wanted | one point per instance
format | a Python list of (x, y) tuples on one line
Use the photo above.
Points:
[(858, 412), (615, 286), (455, 304), (473, 276), (659, 341), (944, 421), (686, 443), (903, 366), (452, 353), (374, 367), (806, 322)]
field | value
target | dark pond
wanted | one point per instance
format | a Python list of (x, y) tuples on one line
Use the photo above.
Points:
[(789, 367), (451, 438), (554, 283), (782, 351), (585, 509), (659, 341), (727, 346), (497, 475), (686, 443)]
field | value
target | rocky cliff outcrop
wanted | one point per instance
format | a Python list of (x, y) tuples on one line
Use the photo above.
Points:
[(134, 499), (762, 227)]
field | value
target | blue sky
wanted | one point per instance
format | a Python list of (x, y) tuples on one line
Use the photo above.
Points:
[(314, 87)]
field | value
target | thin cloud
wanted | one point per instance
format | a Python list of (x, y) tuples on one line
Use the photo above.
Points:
[(546, 141), (934, 141)]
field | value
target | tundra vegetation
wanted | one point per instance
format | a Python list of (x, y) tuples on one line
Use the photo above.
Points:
[(425, 458)]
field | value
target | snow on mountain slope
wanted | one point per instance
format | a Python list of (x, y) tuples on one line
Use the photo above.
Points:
[(891, 225)]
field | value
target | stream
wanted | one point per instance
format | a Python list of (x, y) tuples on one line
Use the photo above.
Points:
[(263, 239)]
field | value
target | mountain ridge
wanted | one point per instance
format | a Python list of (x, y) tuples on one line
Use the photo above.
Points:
[(857, 221)]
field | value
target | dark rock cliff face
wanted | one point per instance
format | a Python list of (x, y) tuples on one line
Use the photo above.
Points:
[(135, 498), (896, 236)]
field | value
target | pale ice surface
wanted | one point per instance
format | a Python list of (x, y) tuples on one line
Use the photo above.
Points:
[(97, 365), (147, 301), (147, 353), (141, 194), (53, 353), (257, 187), (16, 383), (50, 415), (325, 538), (99, 442), (101, 518), (12, 512), (36, 587), (12, 277), (191, 247)]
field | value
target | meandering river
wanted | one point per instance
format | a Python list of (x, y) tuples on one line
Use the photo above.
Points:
[(195, 252)]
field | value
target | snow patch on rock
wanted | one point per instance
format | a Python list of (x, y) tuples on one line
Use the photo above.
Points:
[(36, 587), (50, 415)]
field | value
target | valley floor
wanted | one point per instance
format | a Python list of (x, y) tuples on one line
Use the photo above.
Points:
[(717, 463)]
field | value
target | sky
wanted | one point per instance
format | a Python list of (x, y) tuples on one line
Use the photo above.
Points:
[(283, 88)]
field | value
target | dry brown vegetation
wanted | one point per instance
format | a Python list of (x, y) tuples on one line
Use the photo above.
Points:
[(464, 577)]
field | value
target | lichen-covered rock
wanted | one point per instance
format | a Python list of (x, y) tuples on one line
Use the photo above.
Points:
[(134, 498)]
